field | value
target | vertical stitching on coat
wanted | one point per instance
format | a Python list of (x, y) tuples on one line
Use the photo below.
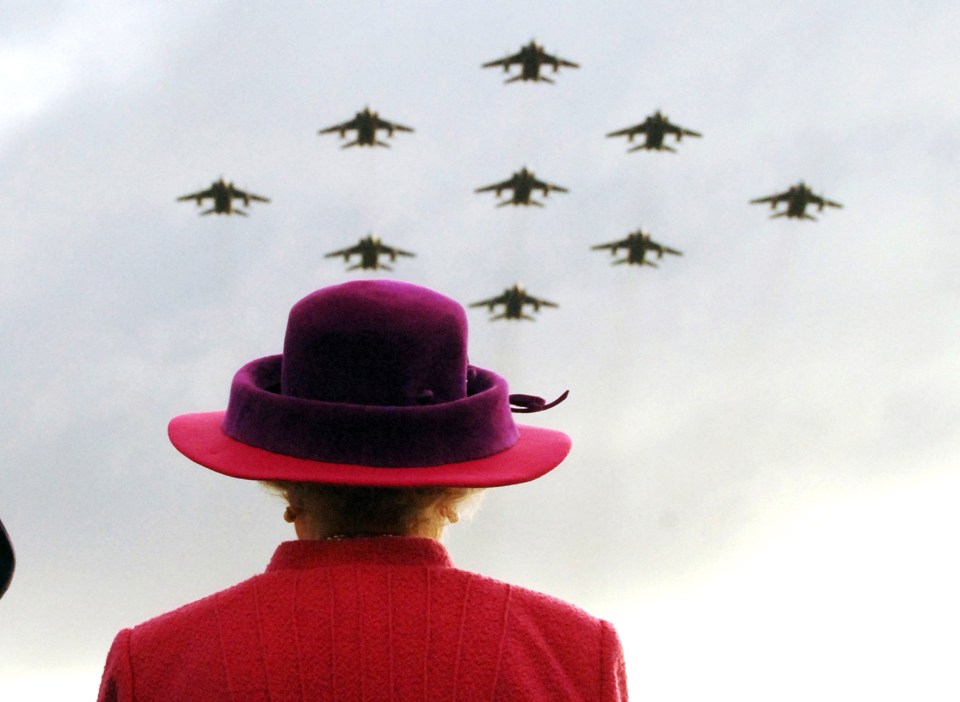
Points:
[(296, 635), (223, 648), (426, 638), (129, 656), (600, 668), (503, 638), (463, 621), (393, 688), (363, 649), (263, 651), (333, 650)]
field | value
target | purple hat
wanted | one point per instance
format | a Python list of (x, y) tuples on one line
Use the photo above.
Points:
[(373, 388)]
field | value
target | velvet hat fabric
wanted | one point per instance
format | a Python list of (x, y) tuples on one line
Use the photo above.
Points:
[(373, 388)]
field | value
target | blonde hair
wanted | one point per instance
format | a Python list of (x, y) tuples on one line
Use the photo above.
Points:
[(359, 510)]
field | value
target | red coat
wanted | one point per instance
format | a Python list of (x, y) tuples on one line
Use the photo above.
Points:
[(369, 619)]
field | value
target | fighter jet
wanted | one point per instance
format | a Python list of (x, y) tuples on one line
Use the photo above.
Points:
[(370, 248), (522, 183), (223, 193), (513, 300), (531, 57), (637, 244), (797, 198), (366, 124), (656, 126)]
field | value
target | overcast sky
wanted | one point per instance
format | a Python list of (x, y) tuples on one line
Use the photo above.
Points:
[(762, 490)]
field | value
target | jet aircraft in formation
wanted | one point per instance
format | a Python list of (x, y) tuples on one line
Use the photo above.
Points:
[(223, 193), (370, 248), (531, 57), (637, 244), (797, 198), (366, 124), (655, 127), (513, 300), (522, 183)]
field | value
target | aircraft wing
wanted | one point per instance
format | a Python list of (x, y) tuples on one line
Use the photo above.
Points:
[(490, 302), (394, 252), (613, 245), (779, 197), (537, 302), (505, 185), (350, 250), (342, 127), (537, 184), (506, 61), (630, 131), (822, 202), (247, 197), (680, 131), (661, 249), (198, 196), (391, 126), (556, 61)]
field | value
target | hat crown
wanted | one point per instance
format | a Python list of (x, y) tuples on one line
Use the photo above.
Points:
[(376, 342)]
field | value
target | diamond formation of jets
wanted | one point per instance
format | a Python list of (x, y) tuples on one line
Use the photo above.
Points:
[(223, 193), (366, 124), (370, 248), (655, 127), (531, 57), (522, 183), (513, 300), (637, 244), (797, 198)]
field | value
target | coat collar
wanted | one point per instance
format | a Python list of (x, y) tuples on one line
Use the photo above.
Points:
[(376, 550)]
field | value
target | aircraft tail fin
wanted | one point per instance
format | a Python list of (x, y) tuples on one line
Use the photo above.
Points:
[(505, 203), (514, 79), (350, 143), (377, 142), (527, 316)]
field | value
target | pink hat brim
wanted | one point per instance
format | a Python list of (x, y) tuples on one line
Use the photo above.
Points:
[(198, 436)]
